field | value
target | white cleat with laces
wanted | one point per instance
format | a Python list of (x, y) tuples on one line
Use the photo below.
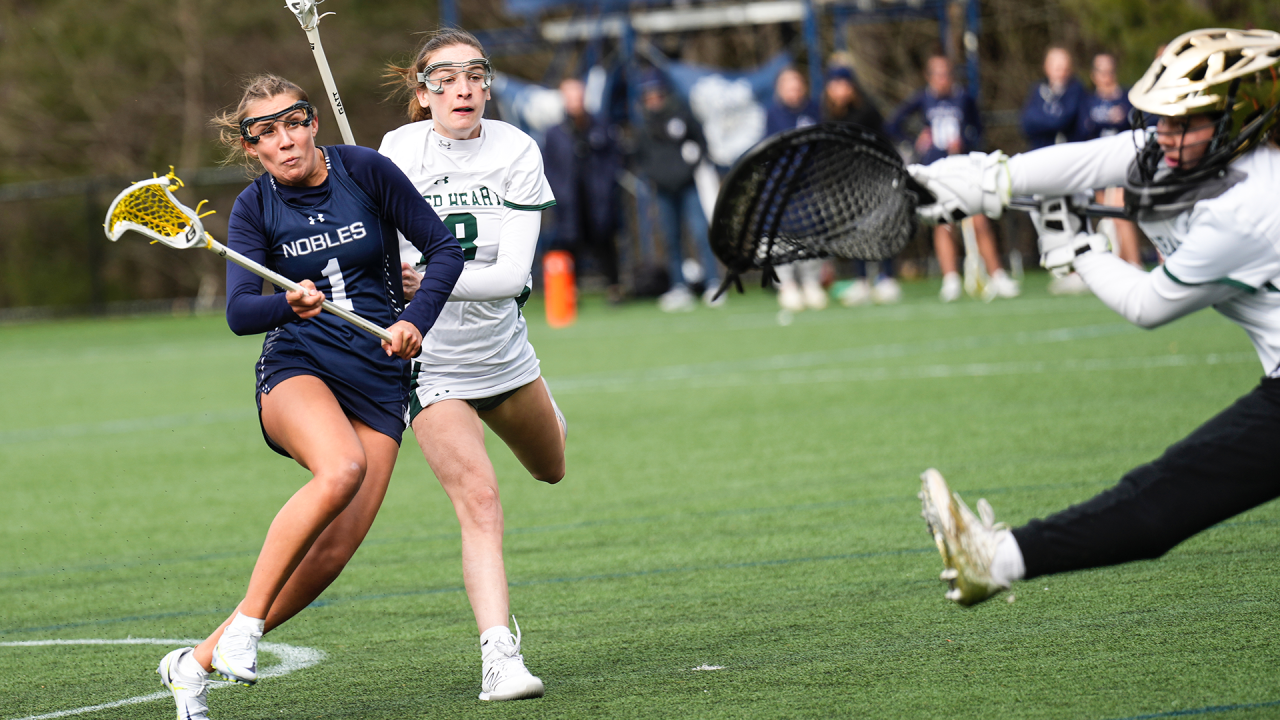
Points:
[(235, 657), (190, 693), (966, 541), (505, 676)]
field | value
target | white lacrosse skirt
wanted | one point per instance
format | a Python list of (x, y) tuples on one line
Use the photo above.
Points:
[(475, 350)]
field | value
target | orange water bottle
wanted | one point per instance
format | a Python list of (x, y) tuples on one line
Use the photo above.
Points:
[(561, 289)]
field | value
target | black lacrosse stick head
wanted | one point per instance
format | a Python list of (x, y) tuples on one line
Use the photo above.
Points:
[(828, 190)]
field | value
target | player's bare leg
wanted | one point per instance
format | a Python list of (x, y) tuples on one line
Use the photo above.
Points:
[(451, 435), (944, 247), (528, 423), (302, 416), (1001, 283)]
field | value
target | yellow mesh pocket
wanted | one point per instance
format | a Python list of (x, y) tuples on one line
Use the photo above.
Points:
[(150, 207)]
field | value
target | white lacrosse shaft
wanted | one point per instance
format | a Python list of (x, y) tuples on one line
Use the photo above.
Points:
[(305, 11), (284, 282)]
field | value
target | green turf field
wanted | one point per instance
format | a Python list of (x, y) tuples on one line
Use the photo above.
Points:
[(738, 534)]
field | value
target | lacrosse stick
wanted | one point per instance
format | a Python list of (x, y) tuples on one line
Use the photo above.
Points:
[(305, 11), (150, 209), (820, 191)]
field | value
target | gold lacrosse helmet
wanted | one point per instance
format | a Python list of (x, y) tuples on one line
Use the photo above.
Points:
[(1195, 72)]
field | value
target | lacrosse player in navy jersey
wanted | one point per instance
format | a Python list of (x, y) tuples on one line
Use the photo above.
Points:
[(1202, 184), (477, 368), (330, 396)]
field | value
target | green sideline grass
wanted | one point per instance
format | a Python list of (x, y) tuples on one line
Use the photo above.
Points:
[(740, 495)]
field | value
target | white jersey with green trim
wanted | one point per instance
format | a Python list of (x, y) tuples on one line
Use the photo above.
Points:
[(1232, 239), (489, 191)]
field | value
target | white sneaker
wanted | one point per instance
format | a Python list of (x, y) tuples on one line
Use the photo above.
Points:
[(1070, 284), (677, 299), (709, 296), (790, 298), (815, 298), (191, 694), (1001, 285), (505, 676), (967, 542), (235, 657), (887, 291), (951, 288), (858, 293)]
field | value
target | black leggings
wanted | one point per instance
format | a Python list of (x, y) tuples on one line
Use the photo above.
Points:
[(1228, 465)]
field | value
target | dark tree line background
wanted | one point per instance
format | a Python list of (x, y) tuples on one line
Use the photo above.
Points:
[(94, 94)]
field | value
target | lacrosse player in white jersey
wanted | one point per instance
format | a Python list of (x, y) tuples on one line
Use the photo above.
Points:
[(1203, 185), (484, 178)]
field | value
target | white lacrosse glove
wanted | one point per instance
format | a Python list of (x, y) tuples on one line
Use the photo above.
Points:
[(1061, 238), (973, 184)]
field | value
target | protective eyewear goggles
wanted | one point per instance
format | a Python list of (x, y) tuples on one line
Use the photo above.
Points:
[(475, 71), (247, 123)]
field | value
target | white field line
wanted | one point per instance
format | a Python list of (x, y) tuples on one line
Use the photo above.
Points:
[(122, 427), (291, 657), (891, 373), (832, 357)]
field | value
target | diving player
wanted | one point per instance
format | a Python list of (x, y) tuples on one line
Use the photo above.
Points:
[(1202, 185)]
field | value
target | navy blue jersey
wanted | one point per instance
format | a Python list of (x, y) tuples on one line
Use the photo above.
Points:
[(1102, 117), (341, 235), (949, 118), (1050, 117)]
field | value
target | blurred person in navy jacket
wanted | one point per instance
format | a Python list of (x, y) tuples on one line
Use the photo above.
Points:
[(800, 283), (1104, 112), (582, 159), (952, 125), (1052, 110)]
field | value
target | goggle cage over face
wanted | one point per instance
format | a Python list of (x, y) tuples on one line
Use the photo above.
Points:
[(436, 85), (249, 122)]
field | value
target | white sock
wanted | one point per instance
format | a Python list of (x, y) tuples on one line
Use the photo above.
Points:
[(1000, 275), (244, 623), (951, 277), (1007, 564), (489, 637), (188, 667)]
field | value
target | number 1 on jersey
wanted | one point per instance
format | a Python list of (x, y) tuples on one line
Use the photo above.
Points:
[(337, 286), (465, 228)]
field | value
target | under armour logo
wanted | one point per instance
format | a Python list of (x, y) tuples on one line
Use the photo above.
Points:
[(318, 218), (445, 144), (442, 181)]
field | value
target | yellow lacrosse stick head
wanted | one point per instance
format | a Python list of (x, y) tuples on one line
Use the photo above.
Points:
[(150, 209)]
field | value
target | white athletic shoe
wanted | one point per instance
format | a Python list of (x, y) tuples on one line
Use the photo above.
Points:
[(967, 542), (191, 694), (1070, 284), (887, 291), (1003, 286), (235, 657), (858, 293), (951, 288), (790, 298), (677, 299), (815, 298), (709, 297), (505, 676)]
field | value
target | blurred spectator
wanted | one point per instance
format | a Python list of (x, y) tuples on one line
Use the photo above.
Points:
[(800, 283), (668, 148), (843, 101), (951, 125), (582, 161), (1105, 111), (1053, 106)]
